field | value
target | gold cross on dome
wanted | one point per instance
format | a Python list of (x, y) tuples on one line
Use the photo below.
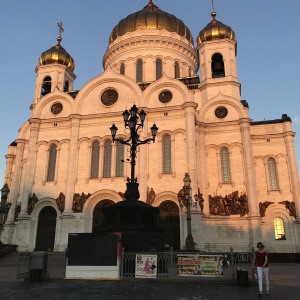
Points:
[(213, 5), (61, 29)]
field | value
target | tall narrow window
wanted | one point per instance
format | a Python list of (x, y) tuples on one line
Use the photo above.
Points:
[(107, 159), (139, 70), (272, 174), (122, 69), (46, 86), (95, 159), (190, 72), (217, 66), (120, 160), (176, 70), (225, 166), (279, 229), (66, 87), (158, 68), (166, 148), (52, 163)]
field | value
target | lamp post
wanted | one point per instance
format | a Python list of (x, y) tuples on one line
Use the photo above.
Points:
[(4, 193), (189, 241), (134, 121)]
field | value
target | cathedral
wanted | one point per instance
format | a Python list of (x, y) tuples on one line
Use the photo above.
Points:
[(63, 168)]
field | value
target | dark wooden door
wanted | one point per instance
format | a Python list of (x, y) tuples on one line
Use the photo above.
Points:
[(169, 220), (45, 236)]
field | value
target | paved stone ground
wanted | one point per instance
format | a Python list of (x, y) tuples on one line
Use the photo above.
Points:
[(284, 284)]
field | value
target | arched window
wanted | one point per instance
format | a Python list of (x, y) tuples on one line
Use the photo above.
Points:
[(217, 66), (176, 70), (139, 71), (107, 159), (225, 166), (122, 69), (66, 87), (46, 86), (158, 68), (120, 160), (95, 159), (190, 72), (279, 229), (166, 148), (272, 174), (52, 163)]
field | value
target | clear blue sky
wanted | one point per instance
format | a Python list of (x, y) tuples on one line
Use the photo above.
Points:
[(268, 49)]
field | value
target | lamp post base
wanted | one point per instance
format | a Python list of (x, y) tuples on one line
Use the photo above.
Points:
[(189, 242)]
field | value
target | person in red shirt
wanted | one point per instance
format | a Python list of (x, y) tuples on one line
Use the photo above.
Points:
[(260, 260)]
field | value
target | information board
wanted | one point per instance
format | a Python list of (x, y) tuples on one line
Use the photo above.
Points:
[(199, 265), (88, 249)]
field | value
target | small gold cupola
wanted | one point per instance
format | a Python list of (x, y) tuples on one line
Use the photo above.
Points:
[(57, 54), (215, 30)]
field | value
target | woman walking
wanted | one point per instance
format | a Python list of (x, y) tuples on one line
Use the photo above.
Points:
[(260, 260)]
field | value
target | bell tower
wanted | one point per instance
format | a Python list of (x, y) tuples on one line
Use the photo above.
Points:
[(55, 70), (217, 49)]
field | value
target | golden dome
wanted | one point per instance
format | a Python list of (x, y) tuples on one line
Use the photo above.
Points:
[(57, 55), (151, 17), (215, 30)]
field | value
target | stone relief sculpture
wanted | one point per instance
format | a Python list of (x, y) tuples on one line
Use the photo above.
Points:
[(263, 207), (79, 201), (17, 211), (290, 206), (231, 204), (32, 201), (122, 195), (6, 210), (60, 201), (150, 196)]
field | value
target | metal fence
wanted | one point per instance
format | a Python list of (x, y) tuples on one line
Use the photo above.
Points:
[(55, 267), (167, 266)]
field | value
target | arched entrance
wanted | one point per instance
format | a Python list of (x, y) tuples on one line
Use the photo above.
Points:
[(45, 235), (169, 220), (98, 214)]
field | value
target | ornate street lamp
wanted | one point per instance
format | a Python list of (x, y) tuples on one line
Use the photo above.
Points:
[(189, 241), (131, 121)]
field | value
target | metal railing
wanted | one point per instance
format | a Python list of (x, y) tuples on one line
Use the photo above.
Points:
[(56, 265), (167, 265)]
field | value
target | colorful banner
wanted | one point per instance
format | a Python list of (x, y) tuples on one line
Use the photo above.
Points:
[(199, 265), (145, 266)]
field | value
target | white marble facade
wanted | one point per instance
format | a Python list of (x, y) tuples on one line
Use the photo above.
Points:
[(211, 136)]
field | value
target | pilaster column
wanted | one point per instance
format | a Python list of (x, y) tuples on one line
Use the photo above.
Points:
[(8, 170), (16, 180), (202, 169), (72, 164), (190, 142), (293, 170), (255, 233), (30, 165)]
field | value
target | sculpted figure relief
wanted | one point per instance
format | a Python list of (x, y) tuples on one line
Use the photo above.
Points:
[(231, 204), (150, 196), (263, 207), (60, 201), (32, 201), (79, 201), (290, 206)]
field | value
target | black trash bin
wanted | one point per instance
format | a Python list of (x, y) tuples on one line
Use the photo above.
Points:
[(38, 266), (242, 278)]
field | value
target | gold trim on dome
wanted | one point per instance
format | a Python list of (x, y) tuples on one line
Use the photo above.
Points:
[(151, 17)]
